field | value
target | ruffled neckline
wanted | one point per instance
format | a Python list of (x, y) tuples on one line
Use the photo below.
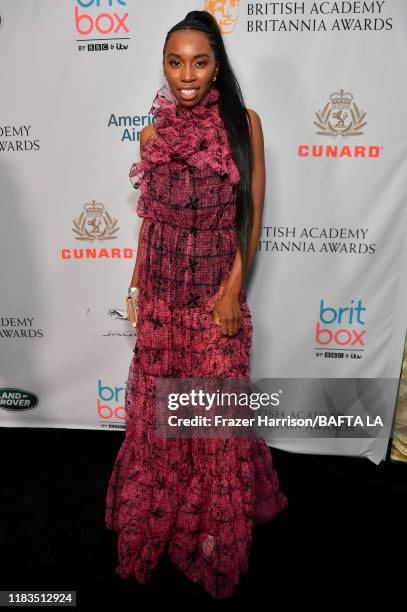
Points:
[(194, 136)]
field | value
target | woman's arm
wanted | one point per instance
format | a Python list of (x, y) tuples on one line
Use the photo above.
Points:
[(145, 134), (234, 282), (134, 278), (227, 313)]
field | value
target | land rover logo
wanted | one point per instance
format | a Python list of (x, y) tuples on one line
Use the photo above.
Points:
[(15, 399)]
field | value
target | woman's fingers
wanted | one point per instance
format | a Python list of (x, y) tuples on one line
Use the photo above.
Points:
[(229, 327), (233, 327)]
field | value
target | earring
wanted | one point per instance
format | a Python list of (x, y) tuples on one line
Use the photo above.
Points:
[(214, 78)]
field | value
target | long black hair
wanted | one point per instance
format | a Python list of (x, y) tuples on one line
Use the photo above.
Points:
[(235, 117)]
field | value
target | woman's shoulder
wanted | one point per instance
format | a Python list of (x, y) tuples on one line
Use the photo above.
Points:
[(255, 126), (255, 121), (253, 114)]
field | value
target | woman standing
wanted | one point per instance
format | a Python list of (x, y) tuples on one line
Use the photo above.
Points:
[(202, 181)]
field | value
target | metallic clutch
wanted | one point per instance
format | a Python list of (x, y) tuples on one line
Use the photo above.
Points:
[(131, 302)]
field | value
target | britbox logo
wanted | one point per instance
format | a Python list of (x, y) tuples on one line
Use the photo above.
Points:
[(341, 327), (110, 402), (102, 19)]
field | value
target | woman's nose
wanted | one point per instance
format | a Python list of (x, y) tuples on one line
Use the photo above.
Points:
[(187, 73)]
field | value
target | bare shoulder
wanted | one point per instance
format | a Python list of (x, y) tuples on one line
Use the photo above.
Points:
[(255, 125), (253, 115), (256, 132)]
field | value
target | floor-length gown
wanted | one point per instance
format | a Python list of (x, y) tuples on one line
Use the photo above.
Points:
[(192, 497)]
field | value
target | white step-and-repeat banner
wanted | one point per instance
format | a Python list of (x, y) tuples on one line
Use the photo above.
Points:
[(328, 290)]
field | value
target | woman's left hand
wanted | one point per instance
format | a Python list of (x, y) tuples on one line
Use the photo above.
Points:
[(227, 314)]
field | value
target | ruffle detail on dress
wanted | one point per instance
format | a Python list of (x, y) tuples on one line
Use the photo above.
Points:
[(195, 137), (270, 498), (212, 535), (150, 476), (186, 342), (198, 497)]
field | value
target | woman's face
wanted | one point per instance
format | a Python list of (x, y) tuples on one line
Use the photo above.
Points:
[(189, 66)]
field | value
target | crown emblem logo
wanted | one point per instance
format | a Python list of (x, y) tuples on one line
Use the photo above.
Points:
[(95, 223), (340, 116)]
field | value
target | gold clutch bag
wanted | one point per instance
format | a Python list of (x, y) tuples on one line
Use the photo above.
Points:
[(131, 302)]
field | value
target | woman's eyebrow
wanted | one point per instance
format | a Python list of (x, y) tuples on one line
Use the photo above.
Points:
[(198, 55)]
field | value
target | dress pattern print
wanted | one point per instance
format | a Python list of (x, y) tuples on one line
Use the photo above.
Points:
[(198, 499)]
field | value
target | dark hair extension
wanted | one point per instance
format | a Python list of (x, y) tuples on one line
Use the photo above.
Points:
[(235, 118)]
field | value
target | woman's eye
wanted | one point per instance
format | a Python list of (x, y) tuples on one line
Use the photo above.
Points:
[(200, 62)]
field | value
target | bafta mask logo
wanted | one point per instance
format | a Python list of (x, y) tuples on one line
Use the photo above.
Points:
[(340, 116), (226, 13), (95, 223)]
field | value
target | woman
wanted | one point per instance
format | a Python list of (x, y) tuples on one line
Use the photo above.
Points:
[(202, 181)]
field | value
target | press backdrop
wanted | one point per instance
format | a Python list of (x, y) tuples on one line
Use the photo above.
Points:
[(329, 82)]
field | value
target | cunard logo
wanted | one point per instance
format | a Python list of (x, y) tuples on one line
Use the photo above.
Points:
[(340, 116), (226, 13), (95, 223)]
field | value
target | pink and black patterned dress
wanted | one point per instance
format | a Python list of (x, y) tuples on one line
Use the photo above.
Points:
[(196, 499)]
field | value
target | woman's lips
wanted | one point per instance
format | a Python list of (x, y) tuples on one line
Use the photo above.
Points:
[(188, 93)]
